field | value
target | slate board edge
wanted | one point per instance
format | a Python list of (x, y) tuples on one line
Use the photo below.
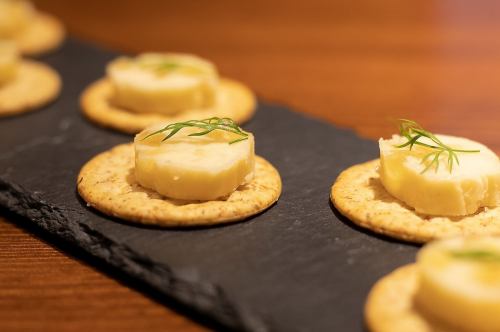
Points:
[(204, 297)]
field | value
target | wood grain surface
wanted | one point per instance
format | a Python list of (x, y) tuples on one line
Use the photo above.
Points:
[(358, 64)]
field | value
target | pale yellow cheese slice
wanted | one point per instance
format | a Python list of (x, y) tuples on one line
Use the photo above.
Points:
[(193, 168), (473, 183), (9, 62), (459, 283), (163, 83), (15, 15)]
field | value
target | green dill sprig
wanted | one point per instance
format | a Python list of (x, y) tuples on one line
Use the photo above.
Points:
[(413, 132), (162, 67), (476, 255), (166, 66), (208, 125)]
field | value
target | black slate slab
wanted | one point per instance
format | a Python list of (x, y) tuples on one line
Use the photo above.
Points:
[(299, 266)]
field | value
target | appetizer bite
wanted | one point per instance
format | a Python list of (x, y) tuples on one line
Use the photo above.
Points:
[(423, 187), (24, 84), (163, 88), (454, 286), (197, 172), (33, 32)]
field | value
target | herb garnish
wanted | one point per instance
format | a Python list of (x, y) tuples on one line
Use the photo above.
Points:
[(412, 131), (162, 67), (166, 66), (477, 255), (208, 125)]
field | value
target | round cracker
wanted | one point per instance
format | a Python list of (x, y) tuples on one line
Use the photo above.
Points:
[(235, 101), (44, 33), (35, 85), (107, 184), (390, 306), (360, 196)]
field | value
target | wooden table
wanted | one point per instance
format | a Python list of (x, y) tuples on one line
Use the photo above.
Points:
[(358, 64)]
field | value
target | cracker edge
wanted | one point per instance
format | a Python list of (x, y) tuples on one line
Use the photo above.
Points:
[(388, 304), (347, 212), (32, 106)]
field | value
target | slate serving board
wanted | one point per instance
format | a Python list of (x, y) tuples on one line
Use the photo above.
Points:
[(299, 266)]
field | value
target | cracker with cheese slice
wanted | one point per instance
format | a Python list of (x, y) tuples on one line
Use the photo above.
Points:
[(163, 88), (425, 186), (453, 286), (360, 196), (107, 183)]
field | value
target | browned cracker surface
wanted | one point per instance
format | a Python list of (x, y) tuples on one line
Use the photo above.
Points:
[(107, 184), (44, 34), (35, 85), (235, 101), (390, 306), (360, 196)]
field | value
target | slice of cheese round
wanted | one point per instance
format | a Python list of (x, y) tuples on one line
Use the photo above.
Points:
[(459, 283), (15, 15), (471, 184), (9, 62), (193, 167), (163, 83)]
